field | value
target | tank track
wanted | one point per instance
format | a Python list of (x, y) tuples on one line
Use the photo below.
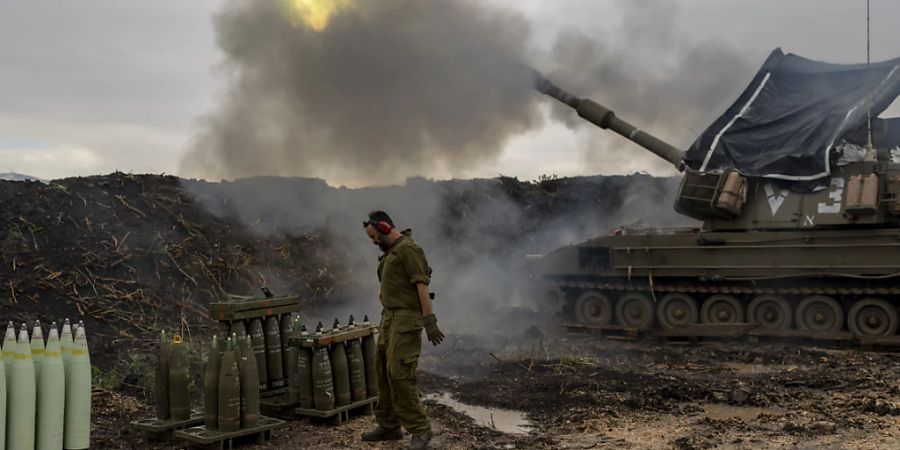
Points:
[(837, 307)]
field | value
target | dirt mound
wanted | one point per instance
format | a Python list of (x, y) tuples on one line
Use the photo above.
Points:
[(129, 254)]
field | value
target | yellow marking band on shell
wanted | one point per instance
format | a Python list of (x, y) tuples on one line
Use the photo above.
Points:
[(21, 356), (37, 351), (51, 354), (77, 351)]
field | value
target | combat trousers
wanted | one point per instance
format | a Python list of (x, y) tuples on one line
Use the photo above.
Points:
[(397, 356)]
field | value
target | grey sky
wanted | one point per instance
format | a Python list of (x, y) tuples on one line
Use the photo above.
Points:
[(99, 85)]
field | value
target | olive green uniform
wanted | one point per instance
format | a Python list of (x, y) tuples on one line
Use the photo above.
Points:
[(400, 336)]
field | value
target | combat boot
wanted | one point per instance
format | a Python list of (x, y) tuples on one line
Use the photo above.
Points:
[(381, 433), (420, 441)]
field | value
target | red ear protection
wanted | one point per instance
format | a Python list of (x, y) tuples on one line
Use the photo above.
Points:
[(381, 226)]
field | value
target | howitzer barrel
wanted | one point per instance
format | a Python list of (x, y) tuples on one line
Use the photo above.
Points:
[(605, 118)]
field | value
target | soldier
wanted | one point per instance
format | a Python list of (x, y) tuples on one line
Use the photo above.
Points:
[(404, 275)]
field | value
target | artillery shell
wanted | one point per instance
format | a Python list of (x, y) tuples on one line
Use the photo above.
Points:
[(357, 367), (229, 401), (341, 374), (211, 386), (288, 357), (249, 385), (179, 379), (51, 395), (304, 373), (21, 396), (323, 383), (368, 349), (274, 367), (258, 339), (162, 375), (78, 394)]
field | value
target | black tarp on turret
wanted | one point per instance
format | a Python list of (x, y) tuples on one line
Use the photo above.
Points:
[(787, 121)]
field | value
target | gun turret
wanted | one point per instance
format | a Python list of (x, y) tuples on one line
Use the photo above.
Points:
[(605, 118)]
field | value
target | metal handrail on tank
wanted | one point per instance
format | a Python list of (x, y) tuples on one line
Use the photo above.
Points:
[(605, 118)]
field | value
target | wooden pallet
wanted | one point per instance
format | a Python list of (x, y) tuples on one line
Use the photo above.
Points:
[(200, 437), (608, 331), (332, 337), (341, 414), (248, 308), (164, 430)]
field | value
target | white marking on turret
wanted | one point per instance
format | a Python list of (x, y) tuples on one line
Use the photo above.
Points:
[(836, 194), (776, 199)]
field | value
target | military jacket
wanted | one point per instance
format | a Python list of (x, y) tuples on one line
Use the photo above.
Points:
[(400, 269)]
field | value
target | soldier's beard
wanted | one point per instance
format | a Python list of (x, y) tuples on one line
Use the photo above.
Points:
[(384, 243)]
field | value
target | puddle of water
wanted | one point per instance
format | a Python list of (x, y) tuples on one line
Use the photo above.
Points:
[(760, 368), (503, 420), (719, 411)]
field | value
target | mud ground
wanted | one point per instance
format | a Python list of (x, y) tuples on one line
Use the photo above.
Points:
[(592, 393)]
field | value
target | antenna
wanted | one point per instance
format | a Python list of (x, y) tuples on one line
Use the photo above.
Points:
[(869, 146)]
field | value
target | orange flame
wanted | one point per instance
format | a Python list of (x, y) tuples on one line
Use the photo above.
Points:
[(314, 14)]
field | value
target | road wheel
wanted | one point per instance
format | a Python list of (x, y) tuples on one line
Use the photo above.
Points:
[(819, 313), (635, 310), (593, 308), (676, 310), (721, 308), (771, 312), (872, 317), (551, 303)]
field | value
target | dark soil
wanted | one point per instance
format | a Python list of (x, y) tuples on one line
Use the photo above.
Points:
[(610, 395)]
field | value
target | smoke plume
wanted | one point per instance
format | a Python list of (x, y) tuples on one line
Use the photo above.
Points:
[(475, 233), (652, 75), (387, 89)]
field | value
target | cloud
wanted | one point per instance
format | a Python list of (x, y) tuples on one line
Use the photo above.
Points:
[(46, 160)]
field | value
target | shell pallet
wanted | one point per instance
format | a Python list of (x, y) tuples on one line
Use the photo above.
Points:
[(200, 437), (164, 429), (341, 414)]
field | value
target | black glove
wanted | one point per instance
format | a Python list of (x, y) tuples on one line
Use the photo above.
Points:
[(435, 336)]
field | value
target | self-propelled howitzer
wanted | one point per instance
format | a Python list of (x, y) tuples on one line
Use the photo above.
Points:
[(790, 252)]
